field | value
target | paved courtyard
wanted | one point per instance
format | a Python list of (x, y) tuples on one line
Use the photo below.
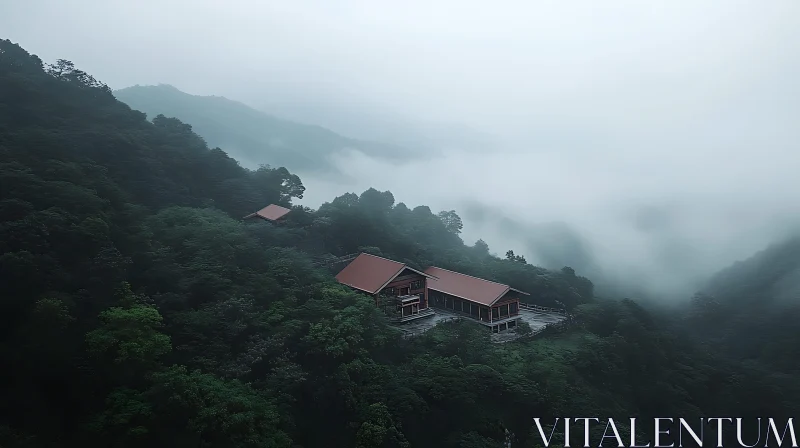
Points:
[(538, 320)]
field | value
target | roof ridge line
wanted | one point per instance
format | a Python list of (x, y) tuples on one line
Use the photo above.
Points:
[(471, 276), (275, 205), (383, 258), (505, 291), (394, 276)]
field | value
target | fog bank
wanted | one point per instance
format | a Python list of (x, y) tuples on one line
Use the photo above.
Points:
[(662, 230)]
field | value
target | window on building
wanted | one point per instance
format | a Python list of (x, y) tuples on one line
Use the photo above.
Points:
[(390, 291), (495, 314), (504, 311), (416, 284), (514, 309)]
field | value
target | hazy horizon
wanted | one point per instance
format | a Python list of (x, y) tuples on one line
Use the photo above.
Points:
[(665, 134)]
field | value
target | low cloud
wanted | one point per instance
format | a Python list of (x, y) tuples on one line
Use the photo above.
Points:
[(657, 233)]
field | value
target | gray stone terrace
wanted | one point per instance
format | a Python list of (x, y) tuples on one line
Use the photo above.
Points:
[(537, 320), (540, 319)]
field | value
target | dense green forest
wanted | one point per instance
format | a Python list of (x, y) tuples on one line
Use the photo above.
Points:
[(250, 135), (138, 310)]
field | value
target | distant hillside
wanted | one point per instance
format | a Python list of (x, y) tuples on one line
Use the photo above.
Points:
[(365, 120), (750, 310), (770, 275), (248, 135)]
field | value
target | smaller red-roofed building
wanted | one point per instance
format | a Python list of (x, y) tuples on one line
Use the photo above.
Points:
[(397, 288), (271, 212), (493, 304)]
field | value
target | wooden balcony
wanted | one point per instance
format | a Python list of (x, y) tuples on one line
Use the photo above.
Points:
[(405, 308), (427, 312)]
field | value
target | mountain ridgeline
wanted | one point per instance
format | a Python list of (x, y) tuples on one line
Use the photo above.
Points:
[(249, 135), (139, 310)]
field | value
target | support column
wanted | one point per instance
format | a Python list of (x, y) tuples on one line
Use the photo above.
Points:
[(425, 292)]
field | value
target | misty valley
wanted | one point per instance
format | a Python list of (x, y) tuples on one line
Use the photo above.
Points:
[(165, 280)]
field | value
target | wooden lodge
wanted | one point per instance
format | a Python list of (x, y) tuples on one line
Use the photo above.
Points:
[(494, 305), (399, 290), (407, 294)]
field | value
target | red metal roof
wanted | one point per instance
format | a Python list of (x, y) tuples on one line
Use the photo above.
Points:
[(467, 287), (370, 273), (271, 212)]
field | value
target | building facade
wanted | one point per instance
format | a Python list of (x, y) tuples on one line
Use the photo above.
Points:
[(401, 291), (493, 304)]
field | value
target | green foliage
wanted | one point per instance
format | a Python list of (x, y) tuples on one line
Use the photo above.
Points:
[(481, 247), (214, 412), (190, 409), (516, 258), (125, 416), (52, 313), (131, 334), (452, 222), (379, 430)]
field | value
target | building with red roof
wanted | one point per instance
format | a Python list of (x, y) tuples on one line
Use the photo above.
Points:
[(399, 289), (493, 304), (271, 212), (407, 294)]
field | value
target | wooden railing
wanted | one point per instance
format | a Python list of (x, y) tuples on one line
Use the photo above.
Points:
[(423, 313), (541, 309)]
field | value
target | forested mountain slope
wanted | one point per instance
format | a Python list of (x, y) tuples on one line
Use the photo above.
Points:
[(770, 275), (250, 135), (138, 310), (751, 308)]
